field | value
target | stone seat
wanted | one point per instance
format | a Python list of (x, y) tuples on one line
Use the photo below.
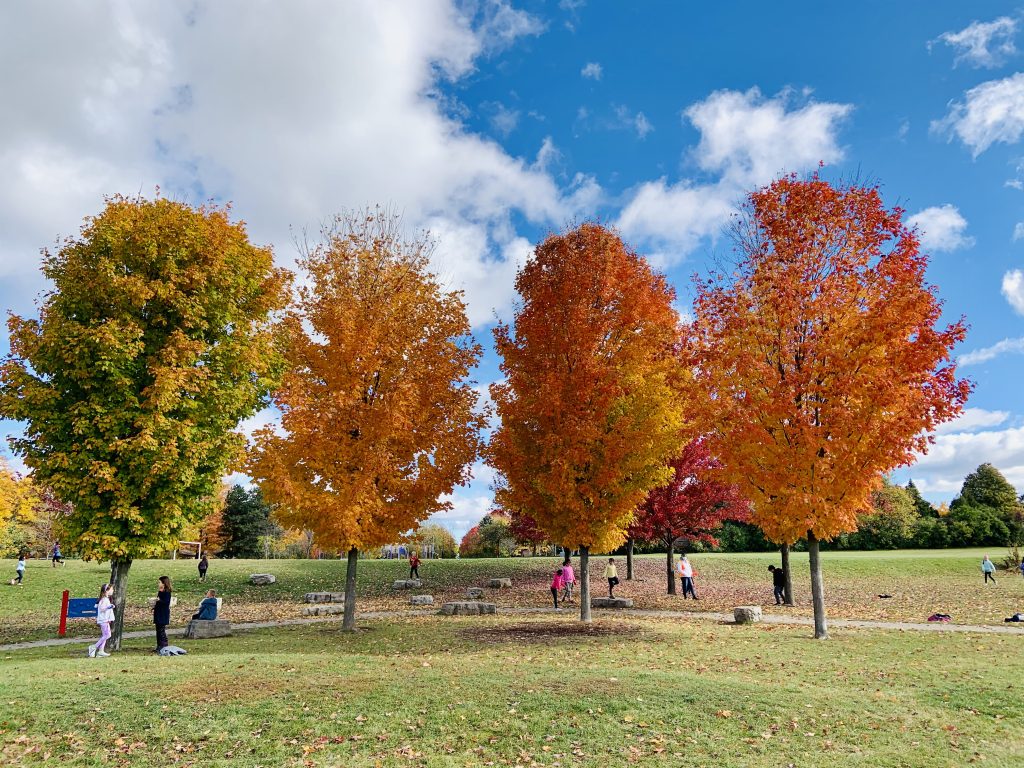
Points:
[(201, 630), (500, 583), (468, 608), (262, 579), (421, 600), (611, 602), (746, 614), (325, 597), (407, 584), (323, 610)]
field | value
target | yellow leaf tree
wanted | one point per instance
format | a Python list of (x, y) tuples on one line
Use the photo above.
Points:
[(378, 416), (590, 406)]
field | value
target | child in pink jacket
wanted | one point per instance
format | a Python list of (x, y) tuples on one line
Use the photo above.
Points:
[(556, 586)]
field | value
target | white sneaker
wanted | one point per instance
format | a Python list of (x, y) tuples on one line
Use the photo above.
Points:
[(92, 651), (102, 653)]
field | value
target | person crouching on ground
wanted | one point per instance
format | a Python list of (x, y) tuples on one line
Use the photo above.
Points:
[(778, 584), (162, 612), (207, 608), (104, 617), (612, 574)]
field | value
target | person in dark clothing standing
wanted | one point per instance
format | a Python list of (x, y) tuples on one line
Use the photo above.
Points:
[(204, 566), (778, 583), (414, 566), (162, 611)]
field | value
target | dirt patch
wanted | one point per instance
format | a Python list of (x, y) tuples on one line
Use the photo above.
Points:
[(539, 632)]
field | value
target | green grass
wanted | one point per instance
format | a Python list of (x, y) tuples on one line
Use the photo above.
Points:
[(504, 691), (920, 581)]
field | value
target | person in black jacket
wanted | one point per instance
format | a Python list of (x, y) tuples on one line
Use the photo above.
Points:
[(778, 583), (204, 566), (162, 612)]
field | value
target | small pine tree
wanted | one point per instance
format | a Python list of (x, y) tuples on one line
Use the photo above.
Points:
[(245, 519)]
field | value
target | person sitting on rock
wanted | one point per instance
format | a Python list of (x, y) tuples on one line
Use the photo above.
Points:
[(207, 608)]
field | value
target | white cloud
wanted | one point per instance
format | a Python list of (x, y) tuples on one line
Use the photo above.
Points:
[(1006, 346), (625, 118), (991, 112), (1013, 289), (955, 455), (973, 419), (1018, 228), (983, 44), (942, 228), (503, 119), (746, 140), (592, 70)]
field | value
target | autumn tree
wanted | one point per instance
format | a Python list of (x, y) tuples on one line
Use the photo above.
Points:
[(524, 530), (155, 341), (378, 412), (691, 506), (432, 538), (821, 359), (18, 510), (590, 405)]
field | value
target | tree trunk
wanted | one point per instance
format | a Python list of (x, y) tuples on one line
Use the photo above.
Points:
[(119, 578), (629, 559), (585, 584), (788, 589), (669, 572), (817, 588), (348, 623)]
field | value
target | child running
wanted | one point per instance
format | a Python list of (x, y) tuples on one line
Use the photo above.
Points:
[(104, 617), (20, 570), (612, 574), (556, 586)]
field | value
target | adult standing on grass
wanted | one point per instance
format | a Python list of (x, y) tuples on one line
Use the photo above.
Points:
[(989, 569), (414, 566), (778, 583), (204, 566), (104, 617), (568, 579), (162, 611), (19, 569), (686, 574)]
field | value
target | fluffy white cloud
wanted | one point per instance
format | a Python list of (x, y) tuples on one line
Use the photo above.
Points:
[(1018, 228), (983, 44), (592, 70), (973, 419), (1013, 289), (746, 140), (983, 355), (942, 228), (941, 472), (125, 97), (991, 112)]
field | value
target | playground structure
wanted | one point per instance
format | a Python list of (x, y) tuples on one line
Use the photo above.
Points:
[(188, 549)]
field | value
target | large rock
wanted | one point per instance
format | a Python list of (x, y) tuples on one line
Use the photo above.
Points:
[(262, 579), (500, 583), (325, 597), (323, 610), (611, 602), (407, 584), (475, 593), (200, 630), (468, 608), (421, 600), (746, 614)]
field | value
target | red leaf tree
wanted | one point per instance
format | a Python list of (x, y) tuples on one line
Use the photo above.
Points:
[(526, 530), (691, 506)]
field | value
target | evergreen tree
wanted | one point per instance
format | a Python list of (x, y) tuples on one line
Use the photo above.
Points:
[(923, 506), (245, 519)]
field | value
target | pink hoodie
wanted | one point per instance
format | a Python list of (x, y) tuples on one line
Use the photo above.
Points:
[(568, 575), (556, 583)]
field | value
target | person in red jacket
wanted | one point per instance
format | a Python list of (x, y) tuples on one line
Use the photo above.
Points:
[(414, 566)]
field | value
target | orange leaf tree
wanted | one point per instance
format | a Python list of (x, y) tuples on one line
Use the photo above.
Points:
[(820, 358), (590, 404), (377, 411)]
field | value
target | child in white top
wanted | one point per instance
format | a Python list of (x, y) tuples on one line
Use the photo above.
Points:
[(104, 617)]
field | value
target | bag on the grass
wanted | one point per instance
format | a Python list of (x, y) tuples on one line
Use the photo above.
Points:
[(943, 617), (172, 650)]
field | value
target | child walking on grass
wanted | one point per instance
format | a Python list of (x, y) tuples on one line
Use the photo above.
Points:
[(20, 569), (104, 617), (568, 581), (556, 586)]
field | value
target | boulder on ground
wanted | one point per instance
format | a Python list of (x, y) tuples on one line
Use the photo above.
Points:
[(421, 600), (468, 608), (262, 579), (474, 593), (407, 584), (611, 602), (746, 614), (500, 583), (323, 610), (325, 597), (200, 630)]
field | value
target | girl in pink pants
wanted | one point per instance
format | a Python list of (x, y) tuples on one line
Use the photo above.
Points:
[(104, 617)]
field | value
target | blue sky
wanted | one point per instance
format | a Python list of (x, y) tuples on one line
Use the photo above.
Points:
[(492, 123)]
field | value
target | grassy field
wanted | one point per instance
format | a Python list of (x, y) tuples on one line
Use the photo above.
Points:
[(920, 582), (524, 692)]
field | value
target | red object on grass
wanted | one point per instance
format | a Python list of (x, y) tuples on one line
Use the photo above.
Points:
[(63, 614)]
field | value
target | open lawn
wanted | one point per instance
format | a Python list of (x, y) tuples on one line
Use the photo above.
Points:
[(522, 692), (920, 582)]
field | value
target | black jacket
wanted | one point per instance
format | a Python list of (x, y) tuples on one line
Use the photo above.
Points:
[(162, 609), (779, 577)]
